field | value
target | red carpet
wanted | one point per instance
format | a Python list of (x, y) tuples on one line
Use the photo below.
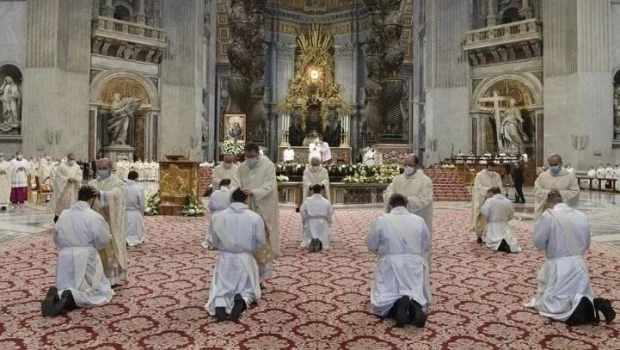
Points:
[(318, 301)]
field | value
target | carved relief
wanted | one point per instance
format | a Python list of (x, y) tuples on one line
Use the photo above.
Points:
[(126, 87)]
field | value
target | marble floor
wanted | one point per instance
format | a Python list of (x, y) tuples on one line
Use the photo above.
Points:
[(602, 208)]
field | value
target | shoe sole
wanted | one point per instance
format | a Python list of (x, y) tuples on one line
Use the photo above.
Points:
[(238, 309), (402, 306), (47, 306)]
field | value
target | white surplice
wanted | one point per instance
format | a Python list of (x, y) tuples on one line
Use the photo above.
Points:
[(224, 171), (326, 152), (5, 183), (19, 173), (315, 150), (401, 240), (316, 214), (135, 204), (80, 232), (565, 182), (564, 234), (369, 157), (288, 155), (484, 181), (65, 193), (261, 180), (315, 175), (111, 205), (218, 202), (499, 211), (418, 189), (236, 233)]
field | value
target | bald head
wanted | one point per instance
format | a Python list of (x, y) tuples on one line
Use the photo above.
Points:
[(104, 163), (315, 161), (229, 158), (411, 160), (554, 159)]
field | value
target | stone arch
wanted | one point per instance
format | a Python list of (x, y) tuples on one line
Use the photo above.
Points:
[(124, 5), (524, 87), (12, 69), (127, 84)]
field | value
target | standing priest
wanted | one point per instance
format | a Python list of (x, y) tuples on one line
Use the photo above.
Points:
[(110, 203), (315, 174), (484, 181), (224, 170), (557, 181), (66, 185)]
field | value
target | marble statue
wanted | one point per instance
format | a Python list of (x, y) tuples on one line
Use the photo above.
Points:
[(122, 109), (334, 129), (513, 136), (9, 96), (617, 112)]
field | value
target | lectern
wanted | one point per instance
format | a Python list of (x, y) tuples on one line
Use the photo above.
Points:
[(178, 177)]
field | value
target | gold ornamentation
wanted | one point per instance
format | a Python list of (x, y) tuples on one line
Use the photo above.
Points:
[(126, 87), (175, 181), (509, 88)]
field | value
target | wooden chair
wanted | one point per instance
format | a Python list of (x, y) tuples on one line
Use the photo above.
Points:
[(32, 188), (42, 190)]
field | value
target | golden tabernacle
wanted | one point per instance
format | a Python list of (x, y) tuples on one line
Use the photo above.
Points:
[(178, 177)]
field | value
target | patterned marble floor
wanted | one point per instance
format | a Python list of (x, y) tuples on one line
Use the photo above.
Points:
[(602, 208)]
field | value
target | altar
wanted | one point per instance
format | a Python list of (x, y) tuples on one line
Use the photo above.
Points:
[(340, 155)]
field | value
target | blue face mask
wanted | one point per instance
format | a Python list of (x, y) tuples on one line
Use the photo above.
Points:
[(104, 174), (252, 161), (555, 169)]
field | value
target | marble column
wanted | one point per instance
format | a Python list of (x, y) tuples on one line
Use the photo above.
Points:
[(141, 17), (284, 70), (345, 71), (108, 8), (491, 13), (526, 9)]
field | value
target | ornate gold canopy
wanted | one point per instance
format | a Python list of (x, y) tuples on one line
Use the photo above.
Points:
[(313, 85), (126, 87)]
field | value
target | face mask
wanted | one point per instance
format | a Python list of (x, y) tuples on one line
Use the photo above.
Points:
[(227, 165), (555, 169), (252, 162), (491, 170), (104, 174), (71, 162), (409, 170)]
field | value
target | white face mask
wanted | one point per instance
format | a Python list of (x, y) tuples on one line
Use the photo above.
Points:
[(409, 170), (252, 162), (71, 162)]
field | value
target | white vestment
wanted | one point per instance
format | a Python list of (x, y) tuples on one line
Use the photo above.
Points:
[(617, 177), (316, 214), (220, 172), (315, 176), (65, 193), (111, 205), (79, 233), (401, 240), (369, 158), (609, 172), (19, 173), (135, 204), (498, 211), (288, 155), (315, 151), (565, 182), (418, 189), (261, 180), (564, 234), (236, 233), (326, 153), (5, 183), (484, 181), (600, 172), (45, 170), (218, 202), (592, 175)]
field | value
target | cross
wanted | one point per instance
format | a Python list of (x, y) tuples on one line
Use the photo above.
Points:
[(496, 99)]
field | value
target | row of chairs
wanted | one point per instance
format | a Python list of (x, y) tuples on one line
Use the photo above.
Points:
[(35, 186)]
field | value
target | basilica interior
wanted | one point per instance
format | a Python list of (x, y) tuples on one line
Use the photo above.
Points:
[(168, 87)]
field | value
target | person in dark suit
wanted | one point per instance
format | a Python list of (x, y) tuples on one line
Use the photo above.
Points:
[(517, 172)]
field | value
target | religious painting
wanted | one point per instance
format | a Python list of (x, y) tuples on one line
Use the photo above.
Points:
[(234, 127)]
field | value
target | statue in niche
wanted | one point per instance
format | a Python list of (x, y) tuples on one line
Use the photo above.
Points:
[(617, 112), (296, 133), (122, 109), (10, 99), (333, 131), (205, 127), (511, 130)]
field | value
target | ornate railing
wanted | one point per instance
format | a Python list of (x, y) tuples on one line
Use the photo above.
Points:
[(129, 31), (530, 29)]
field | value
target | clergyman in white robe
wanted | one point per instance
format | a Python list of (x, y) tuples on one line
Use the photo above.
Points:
[(19, 180), (67, 181), (218, 202), (236, 233), (316, 214), (564, 291), (558, 179), (485, 180), (135, 204), (315, 174), (401, 240), (5, 182), (80, 232), (498, 211), (288, 156), (225, 170)]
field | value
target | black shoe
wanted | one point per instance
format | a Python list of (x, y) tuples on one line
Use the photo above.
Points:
[(402, 308), (503, 247), (59, 306), (319, 245), (604, 306), (55, 218), (311, 246), (47, 305), (238, 308), (220, 314), (416, 315), (479, 240)]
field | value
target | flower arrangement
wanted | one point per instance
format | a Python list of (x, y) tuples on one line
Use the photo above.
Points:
[(232, 147), (282, 178), (152, 205), (350, 173), (193, 207)]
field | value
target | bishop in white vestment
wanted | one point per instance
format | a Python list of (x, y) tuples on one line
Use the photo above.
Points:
[(485, 180), (564, 290), (401, 288), (67, 181), (316, 214), (80, 279), (236, 233), (110, 203), (414, 185), (218, 202), (315, 174), (556, 180), (5, 183), (498, 211), (225, 170), (135, 204)]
